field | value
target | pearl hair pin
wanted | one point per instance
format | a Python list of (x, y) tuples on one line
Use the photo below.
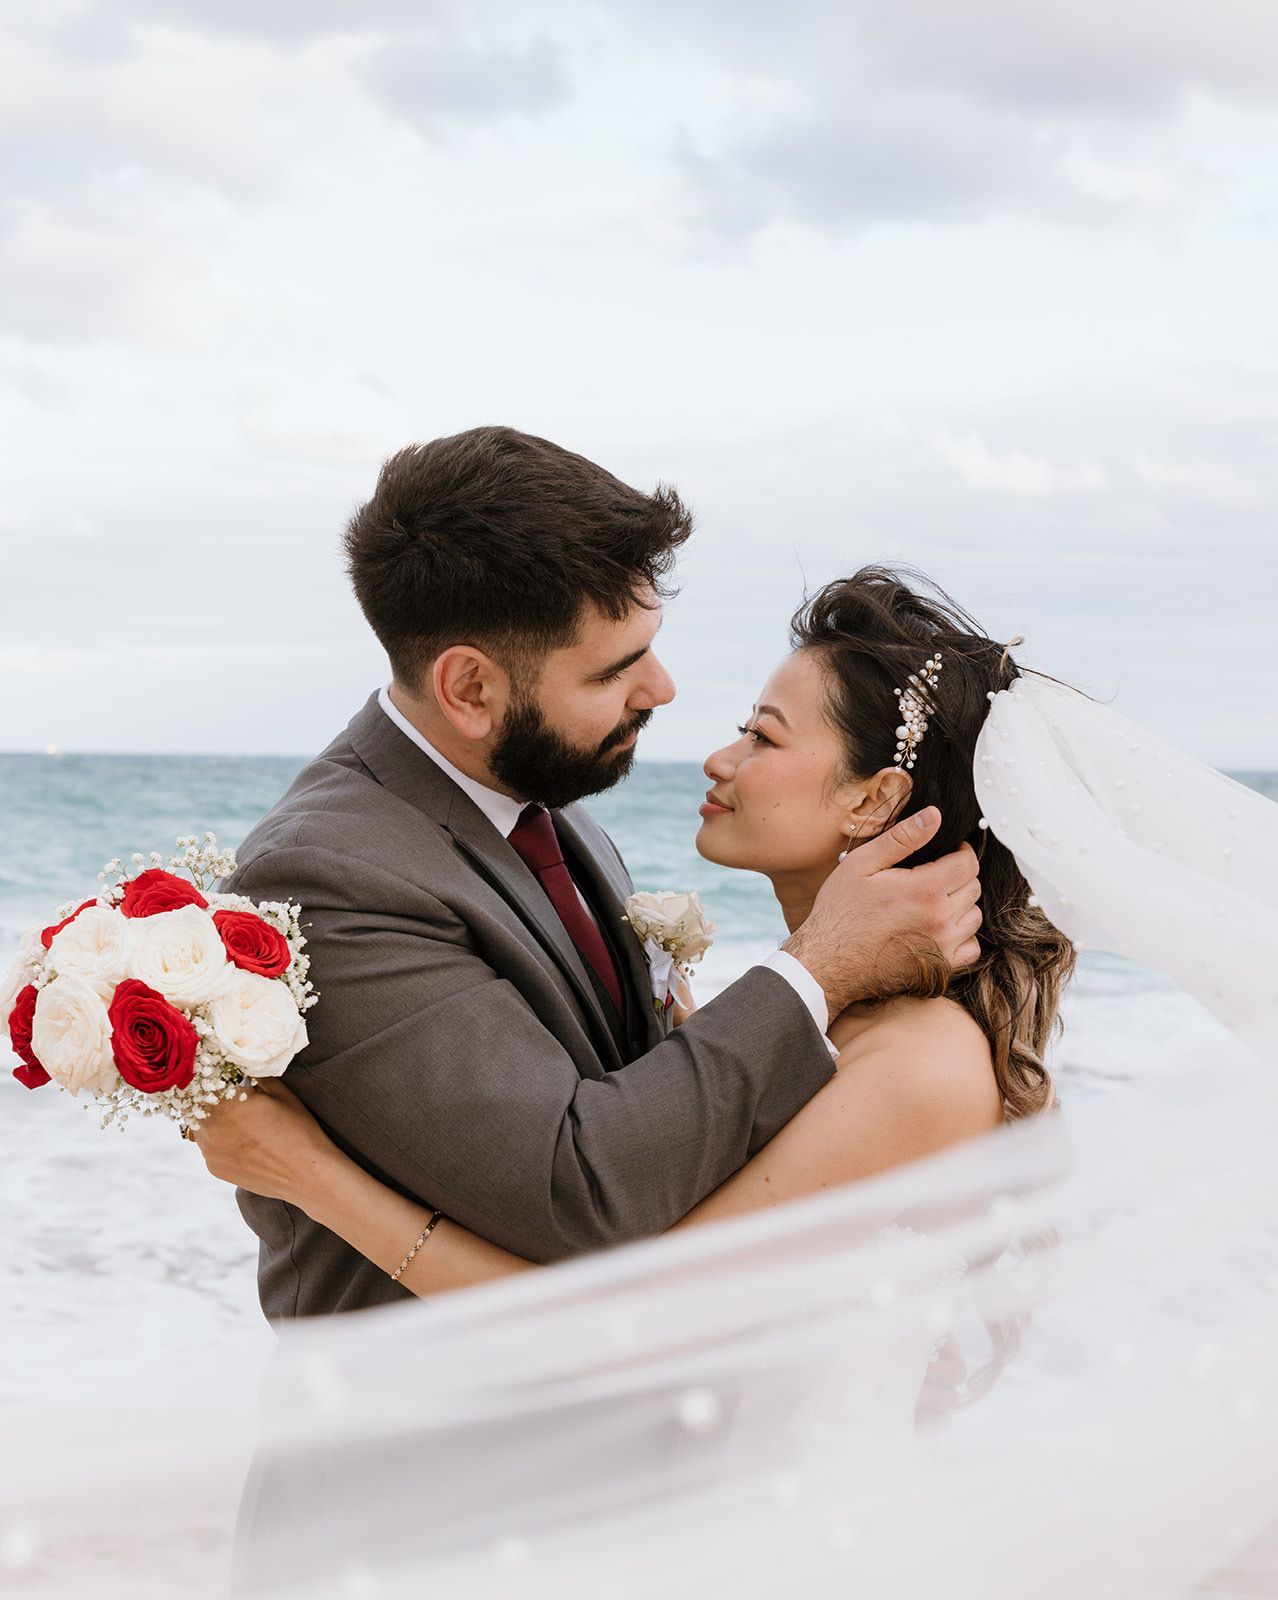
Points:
[(916, 707)]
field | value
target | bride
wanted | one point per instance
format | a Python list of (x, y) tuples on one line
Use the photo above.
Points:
[(872, 719)]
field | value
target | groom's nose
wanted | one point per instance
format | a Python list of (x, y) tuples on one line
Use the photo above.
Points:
[(655, 688)]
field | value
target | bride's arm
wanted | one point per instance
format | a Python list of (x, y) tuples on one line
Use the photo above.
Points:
[(917, 1082), (914, 1088), (271, 1145)]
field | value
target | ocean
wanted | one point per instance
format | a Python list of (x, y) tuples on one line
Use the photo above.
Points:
[(115, 1236)]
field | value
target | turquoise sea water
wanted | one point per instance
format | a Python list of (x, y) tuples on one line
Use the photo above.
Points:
[(62, 817)]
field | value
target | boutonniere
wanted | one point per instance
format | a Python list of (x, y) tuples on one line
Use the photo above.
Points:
[(675, 933)]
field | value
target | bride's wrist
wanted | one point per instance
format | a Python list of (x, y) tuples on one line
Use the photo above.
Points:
[(310, 1179)]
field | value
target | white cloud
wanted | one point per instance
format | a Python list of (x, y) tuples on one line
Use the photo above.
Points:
[(431, 81), (1014, 472), (1215, 483), (1130, 59), (890, 110)]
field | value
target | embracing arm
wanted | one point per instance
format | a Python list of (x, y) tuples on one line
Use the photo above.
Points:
[(270, 1144), (383, 1226), (447, 1058), (911, 1088), (917, 1081)]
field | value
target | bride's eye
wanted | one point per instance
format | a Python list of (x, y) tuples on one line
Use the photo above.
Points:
[(756, 734)]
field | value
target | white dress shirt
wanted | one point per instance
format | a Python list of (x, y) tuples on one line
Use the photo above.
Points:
[(500, 809), (504, 812)]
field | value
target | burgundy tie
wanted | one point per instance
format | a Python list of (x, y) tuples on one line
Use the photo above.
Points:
[(534, 839)]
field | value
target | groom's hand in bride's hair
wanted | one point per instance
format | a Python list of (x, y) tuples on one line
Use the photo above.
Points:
[(878, 928)]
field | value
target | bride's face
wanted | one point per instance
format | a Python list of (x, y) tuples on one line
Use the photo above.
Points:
[(777, 804)]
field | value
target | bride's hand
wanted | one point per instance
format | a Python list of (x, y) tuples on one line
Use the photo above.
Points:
[(269, 1144)]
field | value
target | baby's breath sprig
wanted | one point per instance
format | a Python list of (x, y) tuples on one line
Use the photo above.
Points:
[(204, 860)]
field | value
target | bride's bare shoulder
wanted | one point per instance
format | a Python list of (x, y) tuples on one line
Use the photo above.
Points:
[(931, 1056)]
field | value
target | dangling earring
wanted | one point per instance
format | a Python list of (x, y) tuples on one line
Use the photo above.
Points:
[(844, 854)]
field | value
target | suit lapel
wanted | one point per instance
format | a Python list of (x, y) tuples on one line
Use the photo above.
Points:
[(504, 869), (397, 763), (609, 886)]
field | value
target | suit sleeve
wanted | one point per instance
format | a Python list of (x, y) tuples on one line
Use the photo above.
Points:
[(436, 1072)]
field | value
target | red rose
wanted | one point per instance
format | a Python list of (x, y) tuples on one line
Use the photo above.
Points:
[(49, 934), (153, 1043), (30, 1072), (252, 943), (155, 891)]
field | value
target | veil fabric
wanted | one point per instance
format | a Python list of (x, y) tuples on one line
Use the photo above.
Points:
[(1134, 848), (1039, 1363)]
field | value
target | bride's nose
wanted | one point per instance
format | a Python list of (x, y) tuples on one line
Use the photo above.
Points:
[(719, 765)]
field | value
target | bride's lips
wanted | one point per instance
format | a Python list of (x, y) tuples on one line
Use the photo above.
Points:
[(710, 807)]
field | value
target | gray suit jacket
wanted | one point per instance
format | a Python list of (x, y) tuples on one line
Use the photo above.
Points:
[(460, 1050)]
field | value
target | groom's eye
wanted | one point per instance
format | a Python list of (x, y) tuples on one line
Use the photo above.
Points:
[(611, 674)]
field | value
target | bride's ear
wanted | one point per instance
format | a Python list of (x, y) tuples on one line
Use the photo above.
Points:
[(878, 800)]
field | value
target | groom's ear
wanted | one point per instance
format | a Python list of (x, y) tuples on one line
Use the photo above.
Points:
[(471, 690)]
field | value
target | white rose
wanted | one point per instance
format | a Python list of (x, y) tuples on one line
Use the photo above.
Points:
[(71, 1036), (180, 953), (14, 982), (256, 1023), (96, 945), (28, 959), (676, 922)]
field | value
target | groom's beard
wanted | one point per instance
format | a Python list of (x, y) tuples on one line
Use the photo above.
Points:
[(536, 763)]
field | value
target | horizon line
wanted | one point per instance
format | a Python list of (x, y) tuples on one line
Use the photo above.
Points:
[(54, 753)]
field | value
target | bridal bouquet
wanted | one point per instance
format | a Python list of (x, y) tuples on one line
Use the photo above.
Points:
[(675, 933), (160, 996)]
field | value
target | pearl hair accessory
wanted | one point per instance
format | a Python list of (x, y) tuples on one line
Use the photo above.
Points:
[(916, 708)]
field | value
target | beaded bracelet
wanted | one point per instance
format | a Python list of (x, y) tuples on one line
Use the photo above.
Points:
[(425, 1234)]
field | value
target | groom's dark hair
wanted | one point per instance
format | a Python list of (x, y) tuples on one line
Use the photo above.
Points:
[(499, 539)]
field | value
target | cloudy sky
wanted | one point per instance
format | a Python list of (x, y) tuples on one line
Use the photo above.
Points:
[(981, 285)]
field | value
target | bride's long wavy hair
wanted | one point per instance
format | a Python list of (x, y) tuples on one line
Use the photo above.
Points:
[(871, 631)]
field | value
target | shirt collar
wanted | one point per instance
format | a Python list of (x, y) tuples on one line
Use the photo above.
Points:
[(502, 811)]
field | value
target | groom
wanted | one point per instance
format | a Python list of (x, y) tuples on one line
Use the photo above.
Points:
[(486, 1040)]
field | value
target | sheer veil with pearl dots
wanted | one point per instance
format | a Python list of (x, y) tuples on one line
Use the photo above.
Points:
[(1134, 848), (1040, 1364)]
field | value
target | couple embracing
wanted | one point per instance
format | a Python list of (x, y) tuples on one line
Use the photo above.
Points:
[(488, 1084)]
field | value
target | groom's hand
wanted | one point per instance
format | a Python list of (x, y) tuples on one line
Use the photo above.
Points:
[(875, 926)]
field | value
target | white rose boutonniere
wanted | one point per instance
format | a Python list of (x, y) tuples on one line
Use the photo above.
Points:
[(675, 933)]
